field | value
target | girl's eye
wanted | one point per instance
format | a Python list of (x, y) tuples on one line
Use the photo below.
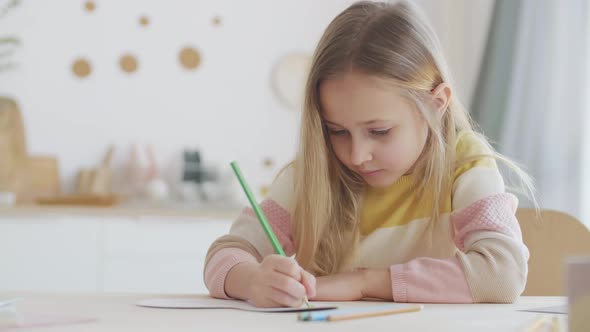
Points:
[(337, 132), (382, 132)]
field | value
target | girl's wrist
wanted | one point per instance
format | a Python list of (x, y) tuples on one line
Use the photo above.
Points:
[(238, 280), (364, 278), (376, 283)]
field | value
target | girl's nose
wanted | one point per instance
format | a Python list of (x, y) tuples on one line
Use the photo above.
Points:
[(360, 153)]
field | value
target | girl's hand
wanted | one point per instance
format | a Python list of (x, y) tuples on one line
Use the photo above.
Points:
[(279, 281), (347, 286), (354, 286)]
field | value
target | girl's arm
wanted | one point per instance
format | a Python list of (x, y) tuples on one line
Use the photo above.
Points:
[(354, 286), (490, 265), (247, 242)]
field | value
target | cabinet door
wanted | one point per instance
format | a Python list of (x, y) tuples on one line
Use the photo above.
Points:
[(49, 253), (163, 255)]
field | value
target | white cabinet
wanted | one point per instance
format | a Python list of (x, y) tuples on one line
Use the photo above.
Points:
[(158, 254), (106, 253)]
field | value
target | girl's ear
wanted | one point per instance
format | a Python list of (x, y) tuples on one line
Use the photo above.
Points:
[(441, 96)]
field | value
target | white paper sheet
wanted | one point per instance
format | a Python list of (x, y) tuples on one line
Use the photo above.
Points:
[(211, 303)]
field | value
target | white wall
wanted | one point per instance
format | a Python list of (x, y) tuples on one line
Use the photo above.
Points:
[(226, 107)]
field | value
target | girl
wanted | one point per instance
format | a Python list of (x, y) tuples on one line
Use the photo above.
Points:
[(392, 194)]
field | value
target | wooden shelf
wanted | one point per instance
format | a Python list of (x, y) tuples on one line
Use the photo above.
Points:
[(135, 210)]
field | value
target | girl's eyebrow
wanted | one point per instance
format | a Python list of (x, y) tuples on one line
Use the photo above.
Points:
[(332, 123), (360, 123), (371, 122)]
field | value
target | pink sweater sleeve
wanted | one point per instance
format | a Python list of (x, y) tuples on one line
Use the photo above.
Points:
[(488, 237), (218, 267), (248, 226), (280, 221), (430, 280)]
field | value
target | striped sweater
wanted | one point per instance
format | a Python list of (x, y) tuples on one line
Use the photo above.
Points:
[(475, 252)]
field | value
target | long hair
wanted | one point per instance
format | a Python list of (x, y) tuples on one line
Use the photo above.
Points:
[(392, 42)]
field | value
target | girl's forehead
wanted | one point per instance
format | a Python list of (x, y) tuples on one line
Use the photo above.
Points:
[(354, 80), (354, 97)]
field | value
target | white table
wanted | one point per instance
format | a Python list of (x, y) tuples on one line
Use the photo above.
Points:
[(117, 312)]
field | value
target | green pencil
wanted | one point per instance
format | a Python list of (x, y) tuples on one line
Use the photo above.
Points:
[(261, 217)]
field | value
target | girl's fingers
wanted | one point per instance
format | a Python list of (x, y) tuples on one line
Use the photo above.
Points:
[(284, 299), (288, 285), (287, 266), (269, 303), (309, 282)]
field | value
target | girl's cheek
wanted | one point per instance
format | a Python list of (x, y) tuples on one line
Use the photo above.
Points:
[(393, 153), (339, 151), (398, 159)]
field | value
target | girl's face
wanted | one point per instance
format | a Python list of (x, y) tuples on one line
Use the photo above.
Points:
[(374, 131)]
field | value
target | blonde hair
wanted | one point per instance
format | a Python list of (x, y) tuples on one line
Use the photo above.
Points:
[(395, 43)]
